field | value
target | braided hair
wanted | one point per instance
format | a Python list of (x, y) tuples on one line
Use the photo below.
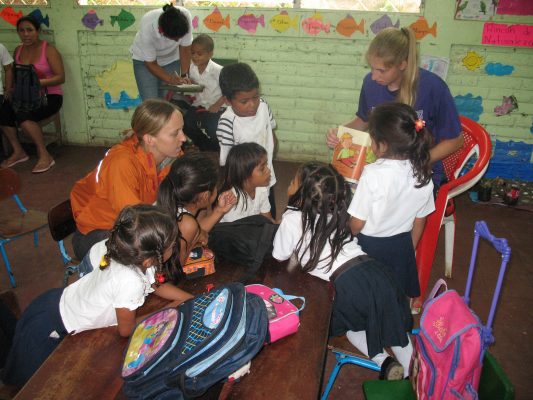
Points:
[(323, 198), (142, 232)]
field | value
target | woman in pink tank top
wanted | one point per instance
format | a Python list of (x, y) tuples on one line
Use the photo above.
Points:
[(49, 67)]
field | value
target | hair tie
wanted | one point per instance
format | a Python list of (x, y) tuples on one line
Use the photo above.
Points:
[(103, 263), (419, 125)]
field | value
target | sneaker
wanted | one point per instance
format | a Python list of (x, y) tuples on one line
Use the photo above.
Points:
[(391, 370)]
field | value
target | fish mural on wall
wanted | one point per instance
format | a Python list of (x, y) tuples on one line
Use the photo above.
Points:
[(124, 101), (119, 85), (215, 21), (315, 24), (38, 15), (498, 69), (249, 22), (91, 20), (472, 60), (421, 28), (281, 22), (508, 104), (469, 106), (10, 16), (348, 26), (382, 23), (194, 22), (124, 19)]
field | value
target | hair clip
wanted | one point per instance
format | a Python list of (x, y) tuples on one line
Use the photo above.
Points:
[(419, 125), (103, 263), (160, 278)]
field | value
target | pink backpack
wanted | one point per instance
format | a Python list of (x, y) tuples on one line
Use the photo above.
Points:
[(283, 316), (448, 349), (451, 343)]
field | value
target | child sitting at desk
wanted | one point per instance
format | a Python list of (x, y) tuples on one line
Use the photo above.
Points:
[(189, 189), (248, 117), (201, 119), (369, 305), (132, 263)]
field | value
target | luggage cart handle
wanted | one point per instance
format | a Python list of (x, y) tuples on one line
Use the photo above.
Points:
[(481, 230), (499, 244)]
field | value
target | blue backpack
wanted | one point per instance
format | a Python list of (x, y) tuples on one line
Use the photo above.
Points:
[(183, 351)]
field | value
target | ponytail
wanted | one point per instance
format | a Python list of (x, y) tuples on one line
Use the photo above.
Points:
[(419, 156), (397, 125), (394, 46), (407, 94)]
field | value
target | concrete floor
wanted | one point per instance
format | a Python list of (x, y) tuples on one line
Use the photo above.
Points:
[(37, 269)]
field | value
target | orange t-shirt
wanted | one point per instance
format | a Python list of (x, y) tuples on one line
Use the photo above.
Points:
[(126, 175)]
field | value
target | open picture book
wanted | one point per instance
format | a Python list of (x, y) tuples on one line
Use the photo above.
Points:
[(352, 153)]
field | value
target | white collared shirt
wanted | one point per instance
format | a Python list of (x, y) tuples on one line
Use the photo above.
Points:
[(209, 79), (150, 45)]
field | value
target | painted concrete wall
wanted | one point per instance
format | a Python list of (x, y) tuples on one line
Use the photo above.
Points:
[(311, 82)]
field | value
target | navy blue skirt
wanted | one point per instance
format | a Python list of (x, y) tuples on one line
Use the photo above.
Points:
[(39, 331), (398, 253), (368, 298)]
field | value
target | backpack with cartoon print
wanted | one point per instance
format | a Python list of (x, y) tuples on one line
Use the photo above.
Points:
[(183, 351)]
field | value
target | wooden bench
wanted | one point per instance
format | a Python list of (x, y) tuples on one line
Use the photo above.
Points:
[(87, 365)]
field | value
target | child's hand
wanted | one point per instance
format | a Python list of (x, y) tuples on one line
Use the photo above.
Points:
[(225, 202)]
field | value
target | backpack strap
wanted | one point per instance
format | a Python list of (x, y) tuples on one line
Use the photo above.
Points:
[(441, 282), (290, 297)]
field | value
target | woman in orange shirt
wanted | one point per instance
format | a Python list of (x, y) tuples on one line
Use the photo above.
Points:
[(129, 173)]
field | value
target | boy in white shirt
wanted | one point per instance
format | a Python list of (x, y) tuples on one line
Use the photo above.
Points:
[(248, 117), (201, 119)]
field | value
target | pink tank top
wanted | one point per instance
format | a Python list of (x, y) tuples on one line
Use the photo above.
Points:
[(43, 68)]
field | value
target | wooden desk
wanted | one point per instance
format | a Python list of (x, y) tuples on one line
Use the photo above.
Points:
[(87, 365)]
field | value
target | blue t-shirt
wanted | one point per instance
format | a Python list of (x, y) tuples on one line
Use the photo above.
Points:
[(434, 104)]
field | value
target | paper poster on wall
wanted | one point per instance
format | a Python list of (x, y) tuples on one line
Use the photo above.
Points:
[(507, 35), (124, 19), (515, 7), (383, 22), (283, 21), (215, 20), (91, 20), (348, 26), (315, 24), (10, 16), (509, 103), (38, 15), (474, 9), (437, 65), (249, 22), (421, 28)]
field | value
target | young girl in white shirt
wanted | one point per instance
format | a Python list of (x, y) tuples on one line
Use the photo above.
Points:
[(132, 265), (187, 191), (395, 194), (369, 307), (247, 175)]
